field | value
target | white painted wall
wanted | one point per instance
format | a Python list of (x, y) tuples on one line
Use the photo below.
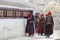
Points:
[(10, 28)]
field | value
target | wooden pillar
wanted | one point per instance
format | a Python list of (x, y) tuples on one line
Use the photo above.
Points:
[(14, 13), (5, 13), (21, 14)]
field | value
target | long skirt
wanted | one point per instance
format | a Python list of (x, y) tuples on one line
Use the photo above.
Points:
[(48, 30), (40, 29), (29, 28)]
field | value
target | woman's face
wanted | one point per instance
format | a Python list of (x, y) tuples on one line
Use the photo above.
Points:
[(50, 15)]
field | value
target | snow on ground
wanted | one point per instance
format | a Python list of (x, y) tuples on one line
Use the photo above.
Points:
[(13, 29), (31, 38), (55, 36)]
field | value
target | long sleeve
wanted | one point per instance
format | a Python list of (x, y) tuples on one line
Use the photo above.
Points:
[(26, 17), (52, 21)]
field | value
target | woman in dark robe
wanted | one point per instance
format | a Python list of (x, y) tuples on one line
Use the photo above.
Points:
[(40, 25), (30, 26), (49, 25), (35, 19)]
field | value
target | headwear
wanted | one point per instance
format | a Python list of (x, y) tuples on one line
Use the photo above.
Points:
[(49, 13), (36, 14)]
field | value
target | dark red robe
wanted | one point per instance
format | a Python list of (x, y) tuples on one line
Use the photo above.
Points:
[(30, 26), (40, 26)]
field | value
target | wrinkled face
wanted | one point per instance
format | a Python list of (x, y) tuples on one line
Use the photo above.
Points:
[(49, 15)]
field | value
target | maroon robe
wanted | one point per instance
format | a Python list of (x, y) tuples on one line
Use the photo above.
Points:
[(30, 27), (40, 26)]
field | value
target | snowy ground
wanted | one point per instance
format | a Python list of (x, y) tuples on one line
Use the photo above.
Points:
[(14, 30), (55, 36)]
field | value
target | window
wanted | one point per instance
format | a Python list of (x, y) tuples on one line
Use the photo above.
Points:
[(6, 13), (17, 13), (9, 13), (1, 13)]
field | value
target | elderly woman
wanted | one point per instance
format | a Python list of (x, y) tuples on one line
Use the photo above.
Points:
[(49, 25), (35, 19), (30, 26), (40, 25)]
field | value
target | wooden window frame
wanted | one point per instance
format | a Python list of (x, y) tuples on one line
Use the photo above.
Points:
[(5, 13)]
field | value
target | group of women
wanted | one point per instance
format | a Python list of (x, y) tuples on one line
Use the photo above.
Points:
[(40, 23)]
